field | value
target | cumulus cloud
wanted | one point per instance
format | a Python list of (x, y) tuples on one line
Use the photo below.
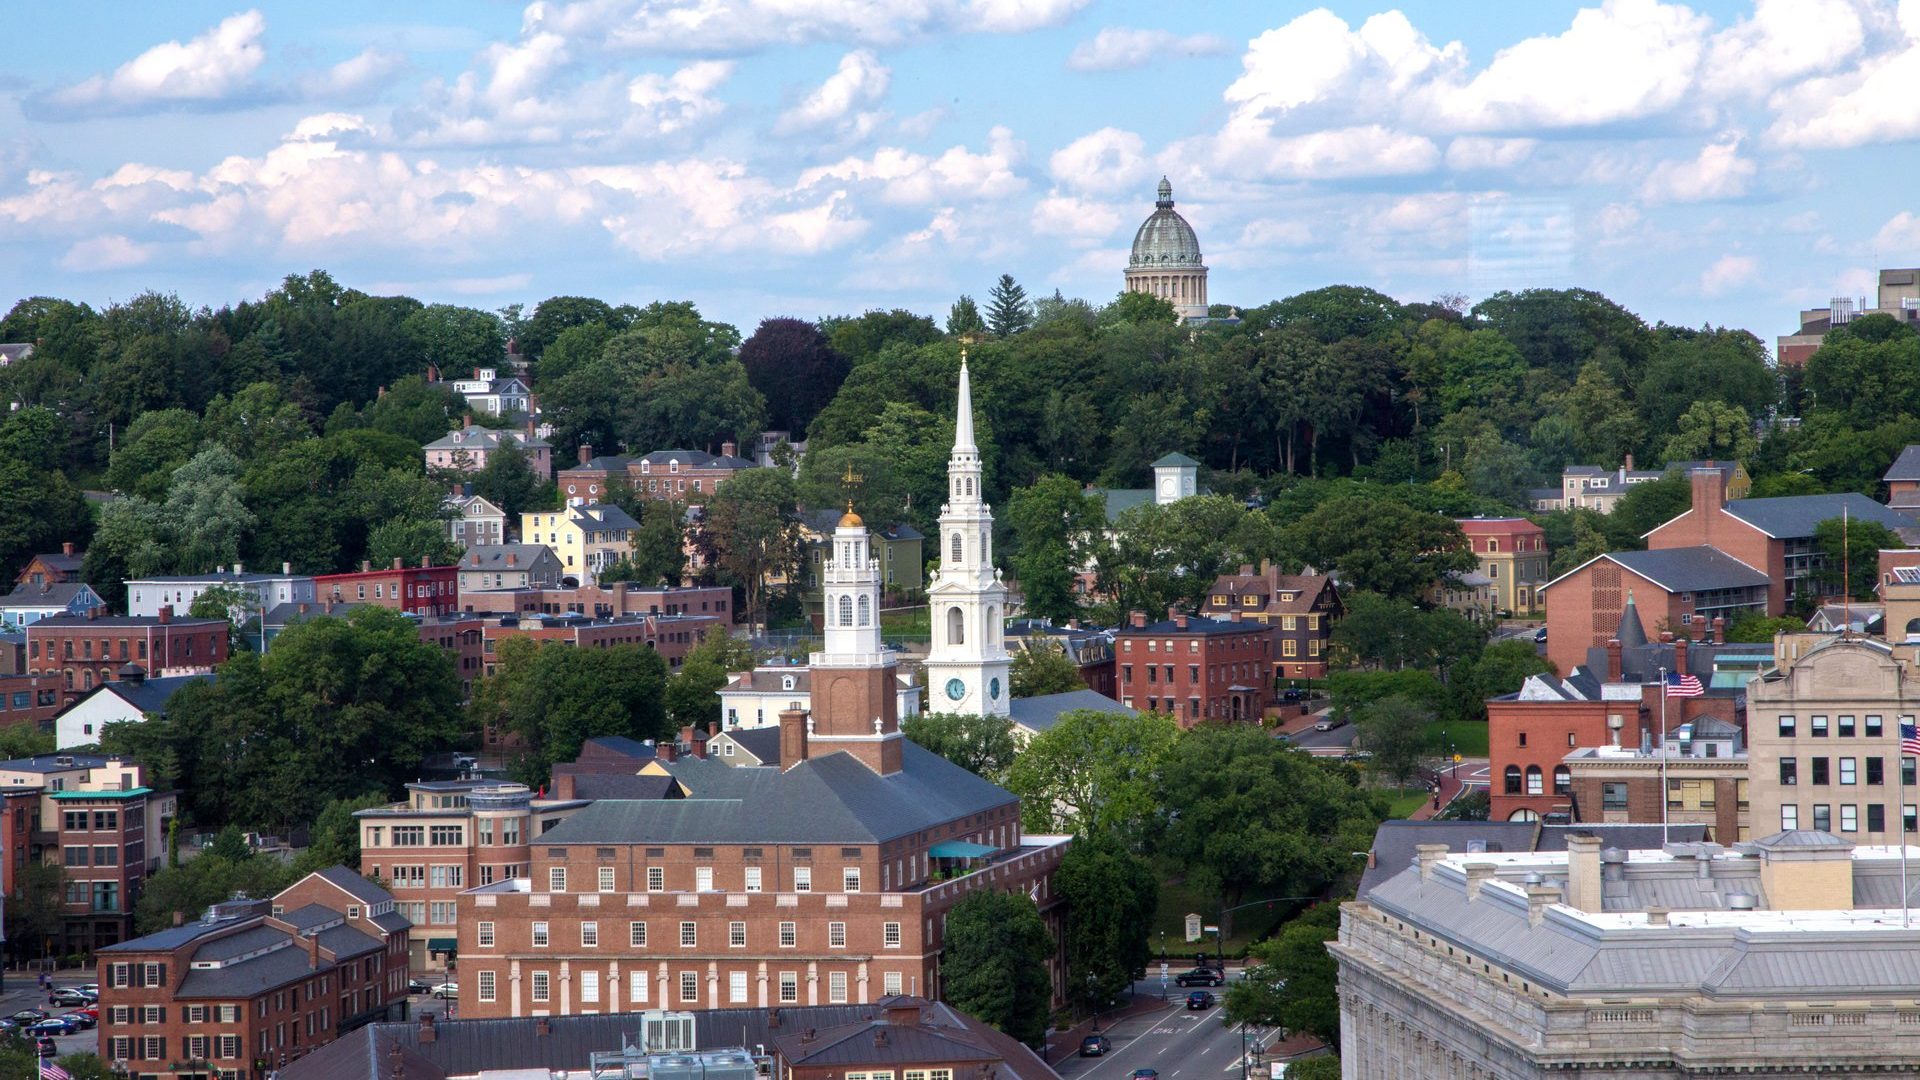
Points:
[(1106, 160), (1718, 172), (860, 80), (1901, 235), (1783, 40), (356, 76), (211, 68), (109, 252), (1082, 221), (907, 178), (1729, 272), (731, 26), (1470, 152), (1118, 48), (1851, 107), (1253, 148)]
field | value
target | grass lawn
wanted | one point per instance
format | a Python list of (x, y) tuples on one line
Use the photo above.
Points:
[(1402, 802), (1469, 738), (914, 622)]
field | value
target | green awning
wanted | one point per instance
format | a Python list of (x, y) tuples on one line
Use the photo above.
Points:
[(442, 944), (959, 849)]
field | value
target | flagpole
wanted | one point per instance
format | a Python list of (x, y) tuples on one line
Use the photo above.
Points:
[(1663, 757)]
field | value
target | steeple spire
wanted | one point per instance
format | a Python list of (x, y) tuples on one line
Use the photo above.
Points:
[(963, 420)]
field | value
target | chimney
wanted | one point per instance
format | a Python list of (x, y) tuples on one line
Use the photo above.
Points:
[(1613, 659), (586, 453), (1583, 873), (1136, 619), (313, 951), (1680, 655), (1656, 916), (398, 563), (66, 548), (179, 918), (793, 738), (427, 1032), (903, 1012), (1539, 898), (426, 561), (1799, 871), (1234, 615), (513, 559), (1425, 855), (1629, 464), (713, 728), (305, 607), (466, 421), (166, 613), (93, 612), (1478, 874), (729, 449), (542, 1028), (1709, 490), (366, 566)]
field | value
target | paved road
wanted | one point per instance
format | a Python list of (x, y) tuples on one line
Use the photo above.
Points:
[(1180, 1043), (1340, 738)]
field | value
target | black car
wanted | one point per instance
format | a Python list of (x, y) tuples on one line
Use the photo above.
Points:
[(46, 1047), (1146, 1074), (418, 986), (1200, 977), (28, 1016), (1200, 999), (1094, 1046)]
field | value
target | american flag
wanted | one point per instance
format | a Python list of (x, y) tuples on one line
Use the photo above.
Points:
[(50, 1071), (1679, 685), (1909, 739)]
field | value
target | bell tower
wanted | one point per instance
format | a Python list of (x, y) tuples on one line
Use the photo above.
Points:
[(854, 677), (968, 669)]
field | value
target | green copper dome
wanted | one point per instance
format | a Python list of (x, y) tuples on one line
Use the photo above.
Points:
[(1165, 238)]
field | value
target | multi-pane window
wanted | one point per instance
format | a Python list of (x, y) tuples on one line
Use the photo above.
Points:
[(789, 987), (589, 935), (483, 934), (656, 878), (737, 935), (689, 986), (446, 877), (789, 935), (556, 879), (447, 836), (689, 935), (850, 879), (890, 935), (837, 987), (703, 879), (890, 983), (540, 986), (1849, 818), (753, 879), (486, 986), (1847, 773), (606, 879), (443, 913), (590, 987), (539, 935), (637, 935), (836, 935), (737, 988), (228, 1046), (636, 986), (803, 879)]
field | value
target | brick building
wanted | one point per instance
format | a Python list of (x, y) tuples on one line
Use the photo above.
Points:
[(88, 651), (446, 837), (1195, 669), (605, 601), (1698, 778), (1089, 647), (672, 636), (96, 818), (254, 984), (593, 479), (684, 475), (423, 590), (1301, 608), (30, 699), (1682, 590), (807, 865)]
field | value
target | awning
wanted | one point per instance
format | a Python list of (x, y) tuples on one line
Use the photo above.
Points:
[(959, 849), (442, 944)]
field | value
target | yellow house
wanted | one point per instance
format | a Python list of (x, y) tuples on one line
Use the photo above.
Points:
[(586, 539)]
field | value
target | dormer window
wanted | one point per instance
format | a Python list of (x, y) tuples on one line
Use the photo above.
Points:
[(646, 466), (786, 682), (674, 465)]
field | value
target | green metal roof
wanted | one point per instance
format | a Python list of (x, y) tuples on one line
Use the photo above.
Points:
[(133, 793), (959, 849)]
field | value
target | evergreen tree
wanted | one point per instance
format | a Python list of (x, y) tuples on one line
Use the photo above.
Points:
[(1008, 311), (965, 317)]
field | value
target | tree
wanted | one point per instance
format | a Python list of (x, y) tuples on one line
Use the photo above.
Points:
[(456, 339), (37, 907), (1132, 306), (1158, 557), (1849, 556), (335, 838), (509, 482), (83, 1065), (1646, 507), (255, 421), (230, 602), (1293, 982), (1394, 731), (1008, 311), (556, 314), (659, 545), (1607, 426), (993, 962), (1383, 546), (692, 694), (1324, 1067), (412, 541), (220, 872), (556, 697), (204, 519), (964, 317), (751, 526), (39, 508), (1094, 772), (148, 452), (1501, 668), (1052, 523), (793, 365), (1111, 896), (1756, 628), (1713, 431), (982, 745), (1044, 668)]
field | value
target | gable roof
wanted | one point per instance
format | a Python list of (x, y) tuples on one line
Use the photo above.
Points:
[(353, 885), (760, 743), (601, 516), (1045, 710), (1792, 517), (494, 557), (486, 439), (149, 696), (1906, 466), (56, 594), (1688, 569), (698, 459), (1175, 460), (1196, 624)]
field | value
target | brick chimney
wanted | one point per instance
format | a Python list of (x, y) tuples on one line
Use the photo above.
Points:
[(1719, 631), (1234, 615), (1179, 618), (1136, 619), (513, 559), (586, 453), (398, 562), (166, 613), (466, 421), (729, 449), (366, 566), (1679, 655), (1613, 659), (1709, 490), (427, 1032), (666, 751), (793, 738), (66, 548), (1629, 463), (93, 612)]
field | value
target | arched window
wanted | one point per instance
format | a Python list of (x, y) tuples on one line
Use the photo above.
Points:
[(956, 627), (1913, 628), (1533, 780), (1513, 780), (1523, 815), (846, 611), (993, 625), (969, 482), (1562, 780), (866, 611), (958, 552)]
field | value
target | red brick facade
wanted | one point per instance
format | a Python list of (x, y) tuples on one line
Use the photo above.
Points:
[(605, 602), (422, 590), (88, 651), (672, 636), (1195, 669)]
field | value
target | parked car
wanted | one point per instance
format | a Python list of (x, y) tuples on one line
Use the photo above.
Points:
[(54, 1025), (446, 990), (1201, 976), (1331, 721), (73, 995), (1200, 999), (1146, 1074), (46, 1047), (418, 986), (1094, 1046), (28, 1016), (87, 1017), (1290, 694), (1540, 635)]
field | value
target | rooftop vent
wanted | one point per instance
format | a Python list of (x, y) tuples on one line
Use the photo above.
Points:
[(1741, 901)]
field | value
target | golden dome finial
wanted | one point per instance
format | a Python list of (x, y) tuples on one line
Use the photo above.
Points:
[(848, 480)]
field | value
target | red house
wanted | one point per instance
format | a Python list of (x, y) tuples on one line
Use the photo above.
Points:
[(422, 590)]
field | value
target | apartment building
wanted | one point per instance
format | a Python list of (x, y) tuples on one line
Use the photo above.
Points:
[(672, 636), (586, 537), (253, 985), (97, 818), (146, 596), (1195, 669), (447, 837), (1699, 777), (1301, 608), (684, 475), (605, 601), (91, 650), (421, 590), (1897, 293), (1512, 555)]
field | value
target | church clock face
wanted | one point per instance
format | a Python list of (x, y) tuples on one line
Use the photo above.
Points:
[(993, 689), (956, 689)]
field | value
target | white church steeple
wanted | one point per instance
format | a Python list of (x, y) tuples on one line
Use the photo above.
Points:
[(968, 669)]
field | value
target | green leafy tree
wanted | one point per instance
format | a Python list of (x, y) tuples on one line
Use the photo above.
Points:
[(37, 907), (1713, 431), (1725, 367), (993, 962), (793, 365), (412, 541), (1866, 373), (1758, 629), (147, 453), (457, 339), (205, 518), (39, 507), (1158, 557), (1607, 425), (508, 481), (255, 421), (1378, 545), (964, 317), (1139, 307), (556, 697), (982, 745), (1112, 894), (1394, 731), (1324, 1067), (554, 315), (1044, 668), (751, 527), (1094, 772), (84, 1065), (411, 409), (692, 694), (1849, 556), (216, 876), (1646, 507), (659, 545), (335, 838), (1500, 668), (1053, 524), (865, 336), (1008, 310), (1293, 982)]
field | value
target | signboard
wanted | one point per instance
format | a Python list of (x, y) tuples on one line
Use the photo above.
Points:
[(1279, 1070), (1211, 929), (1193, 928), (1163, 971), (1457, 759)]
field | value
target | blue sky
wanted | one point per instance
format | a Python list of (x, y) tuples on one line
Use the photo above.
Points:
[(1724, 163)]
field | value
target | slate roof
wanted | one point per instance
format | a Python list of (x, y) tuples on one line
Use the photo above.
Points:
[(286, 614), (768, 679), (622, 745), (1306, 590), (151, 695), (1792, 517), (493, 557), (1175, 459), (1394, 841), (51, 595), (698, 459), (1042, 712), (1906, 466), (1120, 500), (763, 743), (602, 516), (1690, 569), (355, 886), (624, 786), (482, 438), (46, 763), (129, 621), (828, 799), (607, 463)]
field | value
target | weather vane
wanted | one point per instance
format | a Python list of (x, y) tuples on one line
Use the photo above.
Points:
[(848, 480)]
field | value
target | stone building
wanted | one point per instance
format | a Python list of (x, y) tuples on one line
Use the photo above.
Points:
[(1165, 260), (1783, 956)]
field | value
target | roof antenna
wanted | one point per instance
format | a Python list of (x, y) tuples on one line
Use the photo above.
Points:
[(1846, 577)]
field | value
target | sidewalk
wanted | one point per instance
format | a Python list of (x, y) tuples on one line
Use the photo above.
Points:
[(1062, 1045), (1450, 789)]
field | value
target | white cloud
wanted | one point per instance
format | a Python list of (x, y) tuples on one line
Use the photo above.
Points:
[(1783, 40), (1469, 152), (860, 80), (209, 68), (1251, 148), (728, 26), (1858, 106), (1899, 238), (1082, 221), (1118, 48), (1719, 172), (355, 76), (1318, 59), (109, 252), (1106, 160), (1729, 272), (908, 178)]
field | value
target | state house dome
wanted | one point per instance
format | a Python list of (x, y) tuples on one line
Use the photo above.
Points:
[(1165, 260)]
